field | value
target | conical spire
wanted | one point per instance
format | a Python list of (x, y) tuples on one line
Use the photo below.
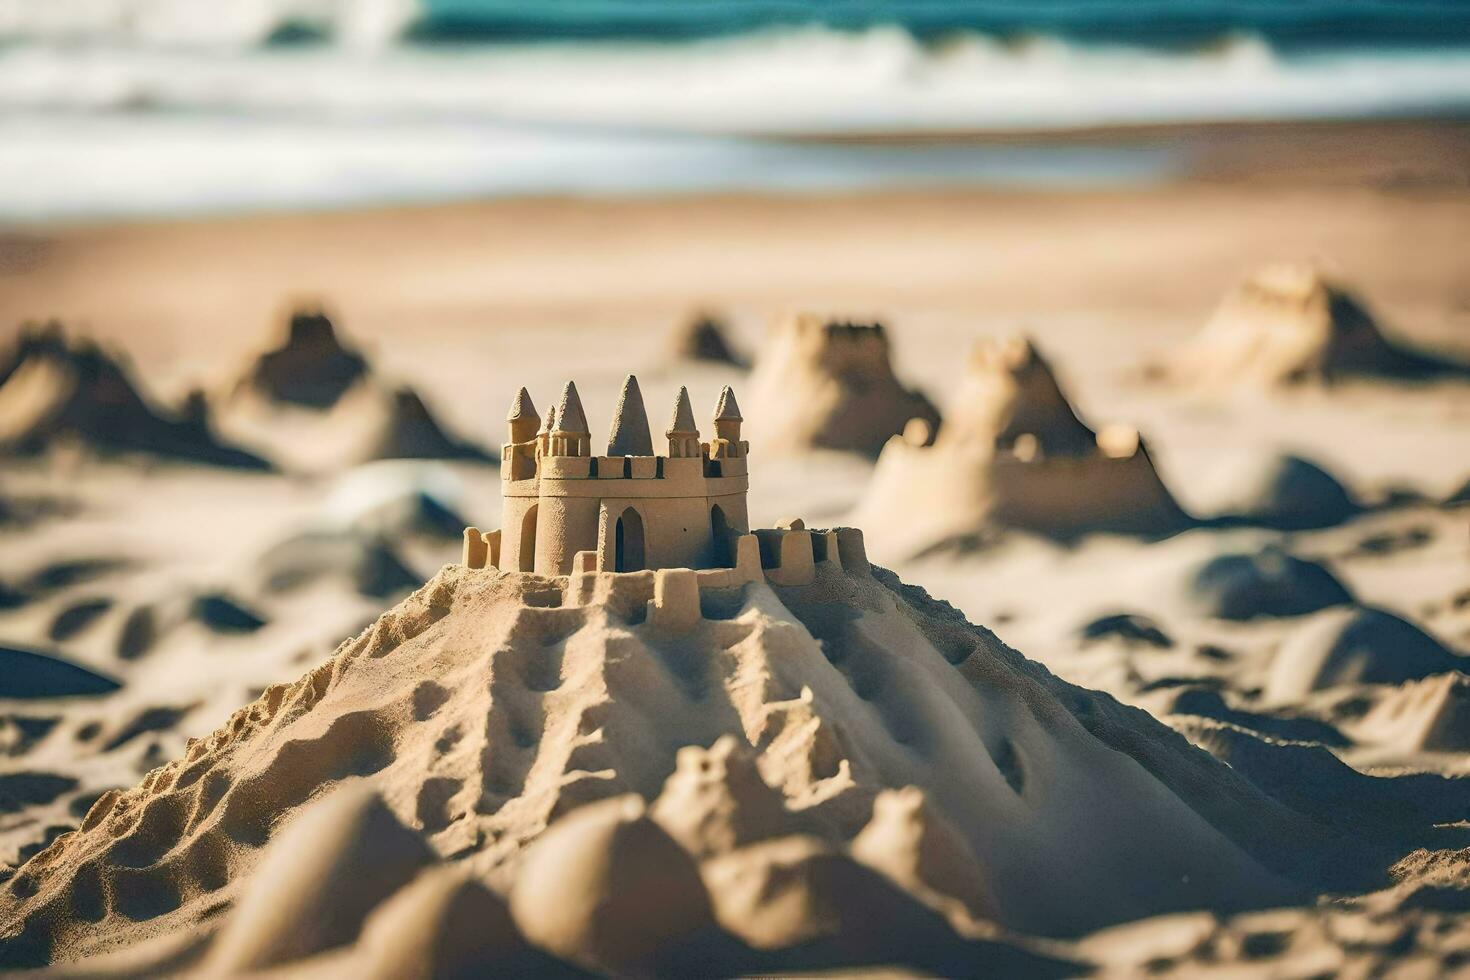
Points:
[(630, 434), (683, 423), (549, 422), (726, 410), (569, 414), (523, 410)]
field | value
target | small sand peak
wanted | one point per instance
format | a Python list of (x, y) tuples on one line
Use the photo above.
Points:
[(55, 389), (630, 434), (523, 409), (727, 409), (912, 844), (411, 431), (569, 414), (309, 326), (701, 337), (311, 367), (682, 423), (716, 800), (1291, 323)]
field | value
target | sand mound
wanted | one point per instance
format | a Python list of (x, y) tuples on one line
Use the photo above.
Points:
[(829, 384), (1289, 324), (314, 403), (1266, 583), (1355, 646), (1012, 453), (395, 500), (1284, 492), (32, 674), (369, 563), (702, 337), (411, 432), (55, 391), (608, 887), (913, 846), (716, 800), (489, 704), (1431, 715), (149, 622), (311, 367), (319, 881)]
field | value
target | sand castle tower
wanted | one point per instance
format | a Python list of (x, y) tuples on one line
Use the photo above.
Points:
[(631, 508), (828, 383)]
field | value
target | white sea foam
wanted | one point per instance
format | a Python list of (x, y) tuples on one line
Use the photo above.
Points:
[(95, 124), (808, 81)]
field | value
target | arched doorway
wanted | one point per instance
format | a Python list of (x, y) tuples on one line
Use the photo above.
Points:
[(527, 562), (720, 531), (628, 542)]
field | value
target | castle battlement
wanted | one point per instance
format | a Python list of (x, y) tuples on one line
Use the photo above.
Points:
[(675, 599)]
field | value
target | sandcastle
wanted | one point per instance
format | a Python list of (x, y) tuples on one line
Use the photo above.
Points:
[(1290, 323), (828, 383), (682, 515), (1013, 452)]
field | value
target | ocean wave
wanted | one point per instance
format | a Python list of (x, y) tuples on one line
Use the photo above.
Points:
[(807, 81), (188, 24), (246, 23)]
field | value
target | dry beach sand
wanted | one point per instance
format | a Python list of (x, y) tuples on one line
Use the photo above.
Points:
[(250, 722)]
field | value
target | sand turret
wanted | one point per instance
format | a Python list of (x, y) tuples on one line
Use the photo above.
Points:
[(630, 435), (1010, 399), (727, 442), (682, 433), (522, 420), (570, 435), (828, 383)]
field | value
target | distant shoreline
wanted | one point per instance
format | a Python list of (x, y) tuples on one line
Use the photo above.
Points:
[(1391, 155)]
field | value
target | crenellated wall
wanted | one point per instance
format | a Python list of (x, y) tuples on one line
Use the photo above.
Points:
[(786, 557)]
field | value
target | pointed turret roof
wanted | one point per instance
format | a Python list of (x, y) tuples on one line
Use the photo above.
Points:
[(522, 408), (569, 414), (548, 423), (683, 423), (630, 434), (726, 409)]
